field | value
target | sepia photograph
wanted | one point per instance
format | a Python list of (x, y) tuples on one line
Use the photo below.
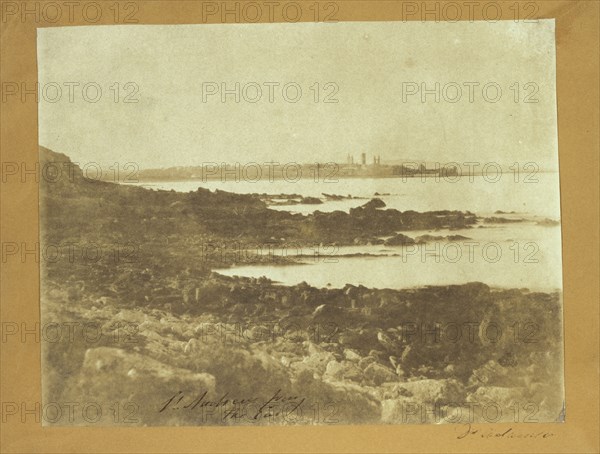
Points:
[(300, 224)]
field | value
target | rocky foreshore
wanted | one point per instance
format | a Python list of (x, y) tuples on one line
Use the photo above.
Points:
[(162, 329), (369, 352)]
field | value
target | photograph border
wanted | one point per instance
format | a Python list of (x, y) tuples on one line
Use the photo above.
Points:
[(577, 50)]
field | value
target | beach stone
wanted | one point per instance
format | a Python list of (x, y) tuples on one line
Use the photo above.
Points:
[(351, 355), (316, 361), (343, 370), (365, 362), (434, 391), (379, 374)]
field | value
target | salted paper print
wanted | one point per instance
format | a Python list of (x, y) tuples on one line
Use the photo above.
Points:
[(300, 224)]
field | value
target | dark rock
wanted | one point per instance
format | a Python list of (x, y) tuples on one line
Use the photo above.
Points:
[(374, 204), (457, 238), (399, 240)]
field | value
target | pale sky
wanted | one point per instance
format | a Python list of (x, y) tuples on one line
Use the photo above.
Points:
[(368, 62)]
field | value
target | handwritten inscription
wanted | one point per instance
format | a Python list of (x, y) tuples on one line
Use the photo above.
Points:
[(279, 407), (511, 432)]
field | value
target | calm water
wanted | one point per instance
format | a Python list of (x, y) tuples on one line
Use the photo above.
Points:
[(501, 255), (523, 255), (479, 196)]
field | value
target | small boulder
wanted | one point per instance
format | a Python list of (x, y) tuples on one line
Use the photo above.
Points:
[(344, 370), (379, 374), (374, 204)]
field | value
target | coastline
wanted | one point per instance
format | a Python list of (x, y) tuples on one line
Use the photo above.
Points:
[(351, 346)]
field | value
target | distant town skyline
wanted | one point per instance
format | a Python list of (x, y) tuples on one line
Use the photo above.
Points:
[(336, 89)]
